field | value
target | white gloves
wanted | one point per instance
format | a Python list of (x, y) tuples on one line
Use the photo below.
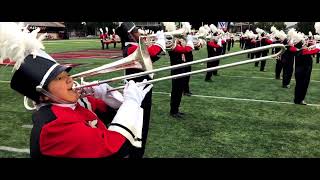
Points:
[(190, 41), (133, 92), (161, 40), (129, 118), (202, 42), (113, 99), (318, 46), (219, 42)]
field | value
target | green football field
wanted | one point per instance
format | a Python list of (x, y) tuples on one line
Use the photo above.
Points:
[(242, 113)]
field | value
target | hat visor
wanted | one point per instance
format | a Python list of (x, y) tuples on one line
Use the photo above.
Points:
[(59, 69), (134, 30)]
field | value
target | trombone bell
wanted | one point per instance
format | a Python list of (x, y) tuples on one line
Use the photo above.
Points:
[(139, 59)]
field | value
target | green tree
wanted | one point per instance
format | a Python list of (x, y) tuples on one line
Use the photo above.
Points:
[(305, 27)]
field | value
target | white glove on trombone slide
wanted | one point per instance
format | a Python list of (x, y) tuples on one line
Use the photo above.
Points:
[(219, 42), (129, 118), (160, 40), (190, 41), (113, 99)]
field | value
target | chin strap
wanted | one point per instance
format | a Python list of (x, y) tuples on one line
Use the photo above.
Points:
[(54, 98)]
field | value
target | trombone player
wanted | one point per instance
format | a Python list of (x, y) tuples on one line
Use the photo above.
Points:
[(129, 34), (178, 55)]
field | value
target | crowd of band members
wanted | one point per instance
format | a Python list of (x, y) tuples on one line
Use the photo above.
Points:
[(296, 58), (107, 38), (284, 64)]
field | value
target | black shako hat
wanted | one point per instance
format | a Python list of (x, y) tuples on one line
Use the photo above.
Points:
[(36, 72)]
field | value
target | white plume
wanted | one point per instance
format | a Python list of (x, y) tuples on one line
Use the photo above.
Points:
[(282, 35), (16, 42), (186, 26), (101, 30), (317, 37), (107, 29), (291, 33), (259, 31), (202, 30), (141, 31), (317, 27), (213, 28), (113, 30), (273, 29), (220, 31), (170, 26), (207, 27), (310, 33)]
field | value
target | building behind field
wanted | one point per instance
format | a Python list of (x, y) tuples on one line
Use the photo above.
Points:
[(54, 30)]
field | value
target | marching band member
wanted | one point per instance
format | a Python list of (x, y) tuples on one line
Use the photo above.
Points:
[(303, 67), (242, 40), (106, 36), (61, 126), (287, 60), (232, 40), (102, 38), (224, 45), (264, 41), (229, 41), (257, 54), (189, 58), (214, 48), (114, 38), (129, 35), (177, 56), (279, 62)]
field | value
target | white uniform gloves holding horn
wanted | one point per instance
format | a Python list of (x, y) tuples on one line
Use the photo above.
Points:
[(190, 41), (129, 118), (160, 40)]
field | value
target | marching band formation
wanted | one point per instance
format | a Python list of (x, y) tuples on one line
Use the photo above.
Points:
[(108, 123)]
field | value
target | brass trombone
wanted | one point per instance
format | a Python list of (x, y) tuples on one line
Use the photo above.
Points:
[(141, 59), (281, 46)]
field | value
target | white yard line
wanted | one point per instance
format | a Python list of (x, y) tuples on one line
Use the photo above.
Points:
[(260, 77), (4, 81), (240, 99), (12, 149), (27, 126)]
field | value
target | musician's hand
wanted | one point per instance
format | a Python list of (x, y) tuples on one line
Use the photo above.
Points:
[(134, 92), (161, 40), (190, 41), (318, 46)]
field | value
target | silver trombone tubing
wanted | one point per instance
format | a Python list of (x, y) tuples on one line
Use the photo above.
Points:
[(191, 63)]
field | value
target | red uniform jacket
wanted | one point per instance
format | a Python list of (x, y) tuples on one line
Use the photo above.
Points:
[(102, 36), (64, 132), (153, 50), (304, 51), (213, 44)]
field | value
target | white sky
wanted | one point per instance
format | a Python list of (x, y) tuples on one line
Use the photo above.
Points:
[(290, 23)]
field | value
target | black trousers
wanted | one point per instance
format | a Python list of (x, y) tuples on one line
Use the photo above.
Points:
[(102, 44), (209, 73), (287, 70), (302, 74), (229, 45), (186, 88), (318, 55), (258, 54), (263, 62), (279, 68), (232, 42), (176, 94)]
